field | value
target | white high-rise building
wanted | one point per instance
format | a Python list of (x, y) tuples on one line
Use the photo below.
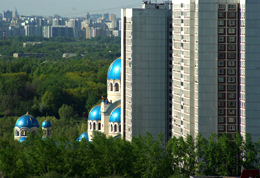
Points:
[(146, 61), (215, 75)]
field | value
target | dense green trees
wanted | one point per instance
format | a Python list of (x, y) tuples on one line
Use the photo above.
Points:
[(143, 157)]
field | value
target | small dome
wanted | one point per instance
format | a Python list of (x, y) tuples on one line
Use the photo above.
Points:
[(22, 139), (115, 116), (83, 135), (46, 124), (95, 114), (114, 70), (28, 121)]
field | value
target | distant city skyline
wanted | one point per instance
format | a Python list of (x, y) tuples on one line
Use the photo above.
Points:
[(69, 8)]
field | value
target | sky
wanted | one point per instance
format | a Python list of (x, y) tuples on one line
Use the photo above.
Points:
[(68, 8)]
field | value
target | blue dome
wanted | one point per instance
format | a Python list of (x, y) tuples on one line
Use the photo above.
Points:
[(95, 114), (22, 139), (28, 121), (83, 135), (46, 124), (114, 70), (115, 115)]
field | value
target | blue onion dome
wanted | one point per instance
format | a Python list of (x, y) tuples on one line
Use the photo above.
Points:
[(114, 70), (83, 135), (115, 116), (22, 139), (28, 121), (95, 114), (46, 124)]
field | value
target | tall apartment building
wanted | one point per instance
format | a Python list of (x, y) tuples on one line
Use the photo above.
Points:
[(215, 59), (145, 70)]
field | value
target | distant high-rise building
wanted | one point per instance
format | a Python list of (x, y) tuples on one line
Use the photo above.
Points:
[(7, 15), (16, 15)]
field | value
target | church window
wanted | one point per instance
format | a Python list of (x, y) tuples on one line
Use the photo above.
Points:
[(90, 126), (99, 126), (117, 87), (119, 128), (94, 126), (16, 133), (111, 127), (115, 128), (111, 87), (24, 133)]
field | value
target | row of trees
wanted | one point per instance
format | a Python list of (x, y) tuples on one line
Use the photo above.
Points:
[(143, 157)]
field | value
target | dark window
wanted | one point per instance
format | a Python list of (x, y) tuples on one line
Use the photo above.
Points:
[(117, 86)]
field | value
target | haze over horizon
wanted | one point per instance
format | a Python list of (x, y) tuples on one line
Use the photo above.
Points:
[(68, 8)]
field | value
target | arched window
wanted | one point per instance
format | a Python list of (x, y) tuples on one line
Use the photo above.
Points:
[(99, 126), (111, 128), (23, 132), (90, 126), (117, 87), (115, 128), (111, 87), (94, 126), (16, 133), (119, 128), (48, 132)]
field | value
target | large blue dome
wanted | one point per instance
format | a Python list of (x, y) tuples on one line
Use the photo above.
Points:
[(115, 116), (114, 70), (95, 114), (83, 135), (28, 121), (46, 124), (22, 139)]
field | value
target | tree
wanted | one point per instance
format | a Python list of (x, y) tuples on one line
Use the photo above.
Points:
[(66, 112)]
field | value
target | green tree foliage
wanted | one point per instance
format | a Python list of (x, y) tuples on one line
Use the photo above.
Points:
[(66, 112)]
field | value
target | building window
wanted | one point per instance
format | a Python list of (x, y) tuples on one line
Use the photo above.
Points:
[(221, 63), (231, 111), (222, 6), (231, 39), (221, 47), (231, 23), (231, 55), (221, 79), (111, 87), (231, 31), (231, 71), (231, 47), (231, 119), (221, 111), (99, 126), (221, 39), (221, 87), (232, 63), (221, 71), (221, 31), (221, 128), (232, 7), (90, 126), (231, 127), (231, 79), (221, 14), (221, 23), (119, 128), (23, 132), (117, 87), (221, 55), (231, 103), (231, 87), (221, 119), (231, 95), (115, 128), (221, 96), (231, 15), (221, 103)]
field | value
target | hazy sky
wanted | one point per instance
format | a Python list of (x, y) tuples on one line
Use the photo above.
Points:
[(68, 8)]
